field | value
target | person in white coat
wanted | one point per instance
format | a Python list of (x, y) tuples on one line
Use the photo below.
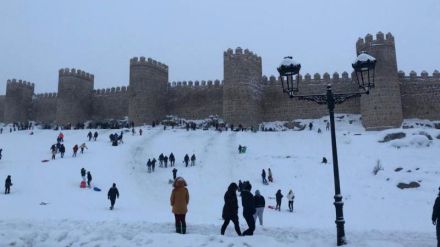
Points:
[(290, 197)]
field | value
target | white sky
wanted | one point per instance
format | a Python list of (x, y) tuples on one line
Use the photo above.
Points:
[(39, 37)]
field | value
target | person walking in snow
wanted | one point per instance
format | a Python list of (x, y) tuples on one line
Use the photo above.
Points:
[(62, 150), (230, 209), (112, 194), (248, 203), (269, 175), (324, 160), (61, 137), (278, 197), (327, 126), (133, 132), (8, 184), (263, 176), (54, 153), (310, 126), (1, 150), (153, 164), (186, 160), (290, 197), (239, 149), (165, 161), (179, 201), (161, 160), (149, 165), (89, 178), (193, 160), (436, 217), (82, 147), (75, 150), (174, 173), (140, 132), (172, 159), (95, 135), (83, 174), (89, 135), (260, 203)]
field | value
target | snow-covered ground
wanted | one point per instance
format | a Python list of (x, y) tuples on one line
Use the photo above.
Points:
[(377, 213)]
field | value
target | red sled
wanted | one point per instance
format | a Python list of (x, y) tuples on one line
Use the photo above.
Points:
[(82, 185), (271, 207)]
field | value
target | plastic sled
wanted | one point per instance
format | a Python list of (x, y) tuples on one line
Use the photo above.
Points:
[(96, 189), (44, 161), (82, 185)]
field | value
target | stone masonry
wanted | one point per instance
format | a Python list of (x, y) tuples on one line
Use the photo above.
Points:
[(244, 96)]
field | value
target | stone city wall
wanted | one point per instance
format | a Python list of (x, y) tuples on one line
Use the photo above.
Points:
[(195, 100), (2, 108), (44, 107), (110, 103), (420, 95)]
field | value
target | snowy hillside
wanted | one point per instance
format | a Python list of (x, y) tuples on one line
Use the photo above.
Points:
[(377, 213)]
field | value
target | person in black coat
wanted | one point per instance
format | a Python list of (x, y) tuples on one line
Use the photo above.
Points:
[(95, 135), (83, 174), (248, 203), (153, 164), (260, 203), (263, 176), (165, 161), (89, 135), (174, 173), (172, 159), (62, 150), (112, 194), (230, 209), (193, 160), (436, 217), (186, 160), (278, 197), (89, 178), (1, 150), (8, 184), (161, 160)]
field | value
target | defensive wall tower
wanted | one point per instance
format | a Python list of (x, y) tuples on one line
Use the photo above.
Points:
[(18, 101), (147, 90), (382, 108), (242, 92), (74, 99)]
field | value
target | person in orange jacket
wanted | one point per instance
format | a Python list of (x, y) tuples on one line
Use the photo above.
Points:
[(179, 202)]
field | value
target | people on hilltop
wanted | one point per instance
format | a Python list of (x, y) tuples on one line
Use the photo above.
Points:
[(89, 179), (230, 209), (89, 135), (186, 160), (112, 194), (8, 184), (172, 159), (263, 176), (248, 203), (436, 217), (82, 147), (290, 197), (75, 150), (278, 197), (95, 135), (179, 202), (62, 150), (193, 160), (260, 203)]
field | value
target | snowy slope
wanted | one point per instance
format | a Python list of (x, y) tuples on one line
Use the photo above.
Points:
[(377, 213)]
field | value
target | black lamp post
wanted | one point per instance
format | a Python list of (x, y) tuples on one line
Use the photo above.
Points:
[(364, 69)]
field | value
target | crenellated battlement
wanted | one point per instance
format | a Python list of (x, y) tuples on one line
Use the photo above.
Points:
[(76, 73), (316, 79), (14, 83), (142, 61), (46, 95), (239, 52), (110, 91), (196, 84), (369, 41), (423, 76)]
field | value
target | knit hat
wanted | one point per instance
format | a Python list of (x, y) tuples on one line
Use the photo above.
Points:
[(257, 193)]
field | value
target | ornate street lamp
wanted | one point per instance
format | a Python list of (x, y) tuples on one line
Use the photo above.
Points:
[(363, 66)]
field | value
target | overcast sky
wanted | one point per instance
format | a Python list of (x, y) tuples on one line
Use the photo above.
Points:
[(100, 36)]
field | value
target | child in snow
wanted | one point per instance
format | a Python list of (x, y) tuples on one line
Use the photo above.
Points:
[(193, 160), (186, 160), (75, 150), (89, 178), (278, 197), (8, 184), (62, 150), (270, 175), (83, 174), (174, 173), (290, 197), (82, 147)]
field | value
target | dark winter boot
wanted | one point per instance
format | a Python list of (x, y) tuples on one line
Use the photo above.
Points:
[(178, 228)]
